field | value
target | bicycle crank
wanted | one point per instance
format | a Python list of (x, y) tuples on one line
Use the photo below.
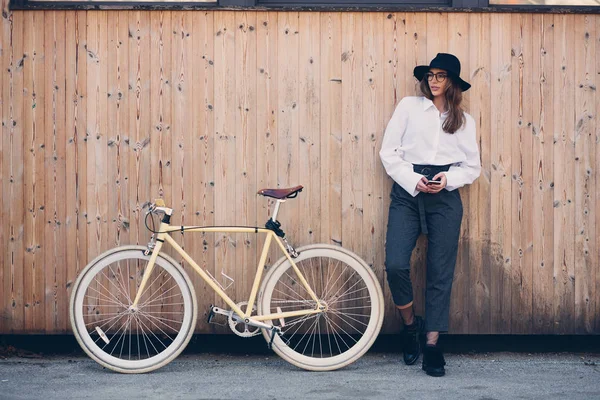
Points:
[(238, 326)]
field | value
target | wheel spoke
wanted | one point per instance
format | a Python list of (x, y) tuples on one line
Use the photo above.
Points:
[(157, 290), (353, 319), (147, 303), (120, 288), (112, 301), (344, 284), (151, 318), (160, 297)]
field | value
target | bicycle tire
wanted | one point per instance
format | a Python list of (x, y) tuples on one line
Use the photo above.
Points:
[(103, 288), (319, 264)]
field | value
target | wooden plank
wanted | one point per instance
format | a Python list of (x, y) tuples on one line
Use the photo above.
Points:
[(79, 244), (500, 235), (203, 201), (586, 254), (596, 195), (29, 159), (308, 203), (331, 127), (458, 44), (5, 324), (138, 139), (70, 152), (245, 150), (181, 126), (96, 107), (5, 300), (522, 178), (33, 186), (564, 188), (54, 166), (160, 53), (181, 123), (373, 125), (96, 142), (479, 201), (113, 153), (267, 112), (543, 174), (12, 170), (288, 43), (75, 58), (564, 124), (161, 34), (124, 98), (181, 76), (352, 133), (82, 165), (118, 127), (225, 144)]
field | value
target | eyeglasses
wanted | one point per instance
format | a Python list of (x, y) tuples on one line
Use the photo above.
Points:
[(440, 76)]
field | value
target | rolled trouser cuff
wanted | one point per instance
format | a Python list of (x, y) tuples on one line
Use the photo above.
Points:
[(404, 307), (400, 286)]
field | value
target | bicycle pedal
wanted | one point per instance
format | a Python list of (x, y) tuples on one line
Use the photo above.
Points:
[(211, 314), (211, 317)]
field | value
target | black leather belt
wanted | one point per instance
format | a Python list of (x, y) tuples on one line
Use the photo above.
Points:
[(429, 171)]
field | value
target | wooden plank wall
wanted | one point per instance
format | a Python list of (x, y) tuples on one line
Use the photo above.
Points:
[(104, 110)]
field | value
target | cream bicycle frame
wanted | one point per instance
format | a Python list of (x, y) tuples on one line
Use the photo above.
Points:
[(164, 236)]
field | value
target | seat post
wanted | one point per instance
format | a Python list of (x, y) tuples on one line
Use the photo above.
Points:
[(276, 211)]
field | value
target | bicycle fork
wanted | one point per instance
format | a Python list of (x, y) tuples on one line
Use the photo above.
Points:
[(154, 247)]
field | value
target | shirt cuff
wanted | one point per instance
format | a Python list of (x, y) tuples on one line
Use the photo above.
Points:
[(452, 177), (410, 183)]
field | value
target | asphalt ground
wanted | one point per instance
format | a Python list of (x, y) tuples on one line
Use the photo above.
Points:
[(233, 368)]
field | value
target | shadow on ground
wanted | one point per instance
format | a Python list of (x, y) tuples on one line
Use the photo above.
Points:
[(35, 346)]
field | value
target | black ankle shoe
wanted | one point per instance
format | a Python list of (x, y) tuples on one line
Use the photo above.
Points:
[(433, 361), (411, 348)]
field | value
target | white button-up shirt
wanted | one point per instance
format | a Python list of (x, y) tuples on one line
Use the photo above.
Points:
[(414, 135)]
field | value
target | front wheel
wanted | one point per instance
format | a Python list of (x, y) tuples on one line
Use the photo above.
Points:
[(126, 339), (346, 330)]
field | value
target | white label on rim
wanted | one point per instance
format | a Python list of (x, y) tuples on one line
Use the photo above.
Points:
[(102, 335)]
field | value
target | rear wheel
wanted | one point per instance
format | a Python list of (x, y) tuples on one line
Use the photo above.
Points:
[(346, 330), (122, 338)]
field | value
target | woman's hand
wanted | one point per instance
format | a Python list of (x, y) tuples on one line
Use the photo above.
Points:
[(422, 185), (436, 188)]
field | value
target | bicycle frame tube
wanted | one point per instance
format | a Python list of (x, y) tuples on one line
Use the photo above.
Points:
[(164, 235)]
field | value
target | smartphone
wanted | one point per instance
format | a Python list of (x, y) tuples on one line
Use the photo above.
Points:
[(434, 182)]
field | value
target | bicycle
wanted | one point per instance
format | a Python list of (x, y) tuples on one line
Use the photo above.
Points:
[(133, 309)]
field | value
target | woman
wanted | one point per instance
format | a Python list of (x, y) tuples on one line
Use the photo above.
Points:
[(429, 149)]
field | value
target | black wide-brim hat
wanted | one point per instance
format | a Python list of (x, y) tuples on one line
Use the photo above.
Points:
[(447, 62)]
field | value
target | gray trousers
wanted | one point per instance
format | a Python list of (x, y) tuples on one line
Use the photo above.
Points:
[(439, 217)]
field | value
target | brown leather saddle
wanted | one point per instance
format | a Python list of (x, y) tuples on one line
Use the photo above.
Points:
[(279, 194)]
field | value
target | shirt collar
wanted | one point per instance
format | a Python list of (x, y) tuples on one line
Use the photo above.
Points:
[(427, 104)]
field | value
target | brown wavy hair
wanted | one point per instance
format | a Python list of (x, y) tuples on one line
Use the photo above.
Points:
[(456, 117)]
